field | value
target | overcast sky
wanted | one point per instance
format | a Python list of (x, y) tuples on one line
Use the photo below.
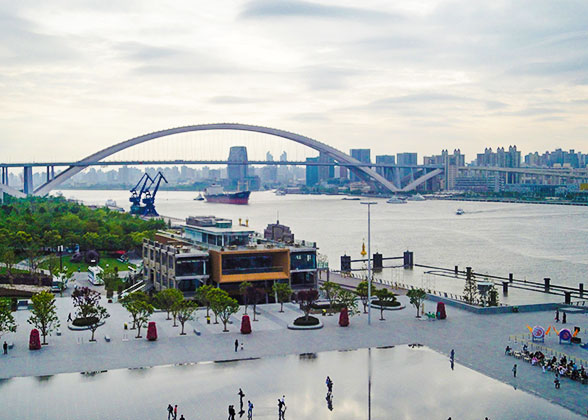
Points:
[(77, 76)]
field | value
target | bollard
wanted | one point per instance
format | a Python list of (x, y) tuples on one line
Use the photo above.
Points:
[(377, 262), (547, 280), (345, 263), (581, 288), (408, 259), (510, 277), (505, 288)]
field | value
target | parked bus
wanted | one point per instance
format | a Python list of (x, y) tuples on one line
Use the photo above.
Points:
[(95, 275)]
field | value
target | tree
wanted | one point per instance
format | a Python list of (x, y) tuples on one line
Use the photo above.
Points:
[(10, 259), (470, 291), (167, 298), (283, 291), (362, 292), (97, 314), (140, 311), (111, 279), (202, 296), (44, 314), (64, 275), (384, 296), (331, 290), (184, 310), (216, 297), (30, 247), (128, 303), (254, 295), (347, 299), (225, 307), (85, 300), (7, 322), (416, 297), (243, 287), (306, 299)]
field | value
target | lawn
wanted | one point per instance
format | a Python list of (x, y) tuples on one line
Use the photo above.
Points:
[(14, 271), (82, 266)]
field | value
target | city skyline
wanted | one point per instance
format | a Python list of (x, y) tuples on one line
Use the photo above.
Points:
[(418, 78)]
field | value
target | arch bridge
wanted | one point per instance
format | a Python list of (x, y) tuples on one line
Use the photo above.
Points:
[(339, 156)]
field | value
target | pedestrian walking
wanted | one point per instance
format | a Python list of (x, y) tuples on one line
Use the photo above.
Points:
[(231, 412), (175, 412), (329, 383), (280, 409), (241, 394), (249, 410), (182, 417), (563, 319), (236, 344), (170, 411), (69, 317), (5, 347), (514, 370), (452, 354), (557, 315), (556, 382)]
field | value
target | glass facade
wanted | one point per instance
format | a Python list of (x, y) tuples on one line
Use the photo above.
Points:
[(257, 263), (190, 267), (303, 261)]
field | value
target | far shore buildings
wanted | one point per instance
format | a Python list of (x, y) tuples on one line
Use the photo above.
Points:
[(210, 250)]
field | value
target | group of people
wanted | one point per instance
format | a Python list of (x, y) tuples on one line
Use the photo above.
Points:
[(172, 413), (563, 317), (560, 368)]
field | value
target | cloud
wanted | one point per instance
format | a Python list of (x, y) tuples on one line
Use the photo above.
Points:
[(22, 42), (259, 9)]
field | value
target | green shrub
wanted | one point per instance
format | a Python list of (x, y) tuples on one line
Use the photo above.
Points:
[(302, 321), (85, 322)]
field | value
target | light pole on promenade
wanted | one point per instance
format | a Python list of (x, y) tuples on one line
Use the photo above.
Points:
[(369, 204)]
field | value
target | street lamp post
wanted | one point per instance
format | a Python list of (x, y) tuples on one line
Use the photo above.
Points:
[(369, 204), (60, 249)]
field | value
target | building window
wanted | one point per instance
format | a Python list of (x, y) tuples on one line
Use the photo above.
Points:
[(303, 261), (189, 267)]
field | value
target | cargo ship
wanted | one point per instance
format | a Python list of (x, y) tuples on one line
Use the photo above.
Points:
[(215, 194)]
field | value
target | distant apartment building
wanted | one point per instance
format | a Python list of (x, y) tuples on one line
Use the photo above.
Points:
[(502, 158), (315, 174), (387, 173), (236, 169), (450, 165), (210, 250), (557, 158), (362, 155)]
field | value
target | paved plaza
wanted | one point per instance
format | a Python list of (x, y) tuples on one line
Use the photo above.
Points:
[(478, 340)]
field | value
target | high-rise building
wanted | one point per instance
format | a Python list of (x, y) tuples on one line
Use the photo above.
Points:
[(237, 172), (405, 159), (312, 172), (363, 155), (502, 159), (386, 172), (325, 172)]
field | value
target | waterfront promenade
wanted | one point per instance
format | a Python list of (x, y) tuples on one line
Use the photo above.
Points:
[(478, 340)]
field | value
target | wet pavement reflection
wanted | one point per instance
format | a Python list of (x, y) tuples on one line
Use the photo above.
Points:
[(399, 383)]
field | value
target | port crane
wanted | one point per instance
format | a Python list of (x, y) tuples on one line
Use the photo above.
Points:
[(149, 200), (136, 197)]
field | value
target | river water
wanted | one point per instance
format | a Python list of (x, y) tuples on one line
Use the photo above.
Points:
[(532, 241)]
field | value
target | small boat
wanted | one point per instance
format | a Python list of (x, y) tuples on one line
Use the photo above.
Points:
[(351, 198), (280, 192), (459, 212), (416, 197), (111, 203), (396, 200), (199, 198)]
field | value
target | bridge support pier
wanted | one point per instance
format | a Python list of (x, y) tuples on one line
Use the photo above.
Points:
[(581, 289), (28, 180), (547, 280), (408, 259), (4, 176)]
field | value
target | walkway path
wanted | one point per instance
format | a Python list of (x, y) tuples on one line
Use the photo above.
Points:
[(478, 340)]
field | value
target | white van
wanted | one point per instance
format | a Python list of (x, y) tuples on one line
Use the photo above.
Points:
[(95, 275)]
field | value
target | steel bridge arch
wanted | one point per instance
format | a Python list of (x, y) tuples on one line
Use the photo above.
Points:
[(306, 141)]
